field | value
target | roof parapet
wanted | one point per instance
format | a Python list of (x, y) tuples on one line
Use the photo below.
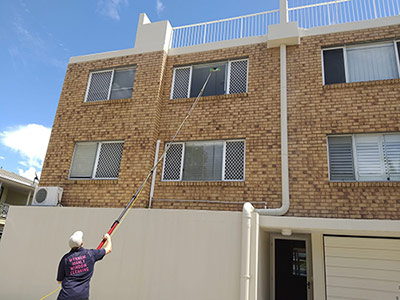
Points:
[(152, 36)]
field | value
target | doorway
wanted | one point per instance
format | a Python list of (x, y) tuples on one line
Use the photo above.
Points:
[(291, 267)]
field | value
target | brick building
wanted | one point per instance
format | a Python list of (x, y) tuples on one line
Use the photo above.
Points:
[(302, 123)]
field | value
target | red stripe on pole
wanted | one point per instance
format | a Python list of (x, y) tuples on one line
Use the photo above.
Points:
[(115, 224)]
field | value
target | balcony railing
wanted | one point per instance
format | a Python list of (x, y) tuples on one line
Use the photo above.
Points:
[(222, 30), (314, 13), (308, 14)]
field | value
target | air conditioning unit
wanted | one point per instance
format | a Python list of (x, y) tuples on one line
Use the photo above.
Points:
[(47, 196)]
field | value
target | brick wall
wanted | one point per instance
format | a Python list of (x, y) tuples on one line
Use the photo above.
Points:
[(314, 111), (135, 121)]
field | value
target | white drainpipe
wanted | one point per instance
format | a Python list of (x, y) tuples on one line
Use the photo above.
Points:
[(153, 179), (284, 145), (248, 209)]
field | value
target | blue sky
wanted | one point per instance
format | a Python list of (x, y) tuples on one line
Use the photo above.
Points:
[(37, 38)]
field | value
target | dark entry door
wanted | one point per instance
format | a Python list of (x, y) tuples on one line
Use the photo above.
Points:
[(290, 270)]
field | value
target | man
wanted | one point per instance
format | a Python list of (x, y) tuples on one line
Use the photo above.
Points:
[(76, 267)]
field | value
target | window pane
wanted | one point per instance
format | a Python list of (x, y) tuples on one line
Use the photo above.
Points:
[(216, 84), (370, 158), (121, 94), (180, 83), (203, 161), (83, 160), (392, 152), (372, 63), (122, 85), (234, 160), (334, 66), (173, 162), (99, 86), (109, 160), (238, 76), (398, 48), (341, 158)]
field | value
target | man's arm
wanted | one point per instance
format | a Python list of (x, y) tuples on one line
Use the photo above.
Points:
[(107, 244), (60, 271)]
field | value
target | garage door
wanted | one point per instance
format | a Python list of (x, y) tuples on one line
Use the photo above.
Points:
[(362, 268)]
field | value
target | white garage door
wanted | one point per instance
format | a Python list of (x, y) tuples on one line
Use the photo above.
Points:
[(362, 268)]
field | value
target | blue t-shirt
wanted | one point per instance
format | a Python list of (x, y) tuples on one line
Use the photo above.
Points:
[(75, 270)]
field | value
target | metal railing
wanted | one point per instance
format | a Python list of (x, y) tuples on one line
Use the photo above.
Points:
[(222, 30), (308, 14), (315, 13)]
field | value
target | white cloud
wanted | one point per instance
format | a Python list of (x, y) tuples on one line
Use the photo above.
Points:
[(30, 141), (111, 8), (30, 173), (2, 157), (160, 7)]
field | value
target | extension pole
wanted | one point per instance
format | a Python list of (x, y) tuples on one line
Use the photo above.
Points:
[(135, 196)]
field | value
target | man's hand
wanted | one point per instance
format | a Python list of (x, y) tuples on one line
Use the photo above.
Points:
[(107, 245)]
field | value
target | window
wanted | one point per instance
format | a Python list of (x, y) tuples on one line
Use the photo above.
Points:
[(364, 157), (205, 161), (110, 84), (96, 160), (361, 63), (230, 79)]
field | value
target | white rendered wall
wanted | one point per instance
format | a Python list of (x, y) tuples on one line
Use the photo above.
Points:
[(157, 254)]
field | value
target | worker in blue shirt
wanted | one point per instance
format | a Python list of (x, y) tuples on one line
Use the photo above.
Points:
[(76, 267)]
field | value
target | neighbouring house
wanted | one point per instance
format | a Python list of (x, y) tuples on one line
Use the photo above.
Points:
[(14, 190), (301, 123)]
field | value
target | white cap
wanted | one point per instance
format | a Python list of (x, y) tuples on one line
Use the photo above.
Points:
[(76, 239)]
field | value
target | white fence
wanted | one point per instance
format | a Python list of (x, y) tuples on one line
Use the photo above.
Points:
[(314, 13), (308, 13), (222, 30)]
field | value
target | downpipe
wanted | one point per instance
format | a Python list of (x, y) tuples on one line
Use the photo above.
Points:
[(248, 209), (153, 179), (284, 145)]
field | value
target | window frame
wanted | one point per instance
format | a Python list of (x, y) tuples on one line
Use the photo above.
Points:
[(359, 46), (223, 162), (111, 82), (210, 64), (94, 169), (354, 155)]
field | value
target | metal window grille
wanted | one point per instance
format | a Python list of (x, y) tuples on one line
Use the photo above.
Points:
[(238, 76), (99, 86), (173, 162), (181, 82), (234, 160), (109, 160)]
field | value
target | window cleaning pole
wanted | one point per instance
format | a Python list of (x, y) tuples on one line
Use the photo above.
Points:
[(121, 217)]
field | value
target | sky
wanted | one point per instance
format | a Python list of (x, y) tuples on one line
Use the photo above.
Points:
[(37, 38)]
